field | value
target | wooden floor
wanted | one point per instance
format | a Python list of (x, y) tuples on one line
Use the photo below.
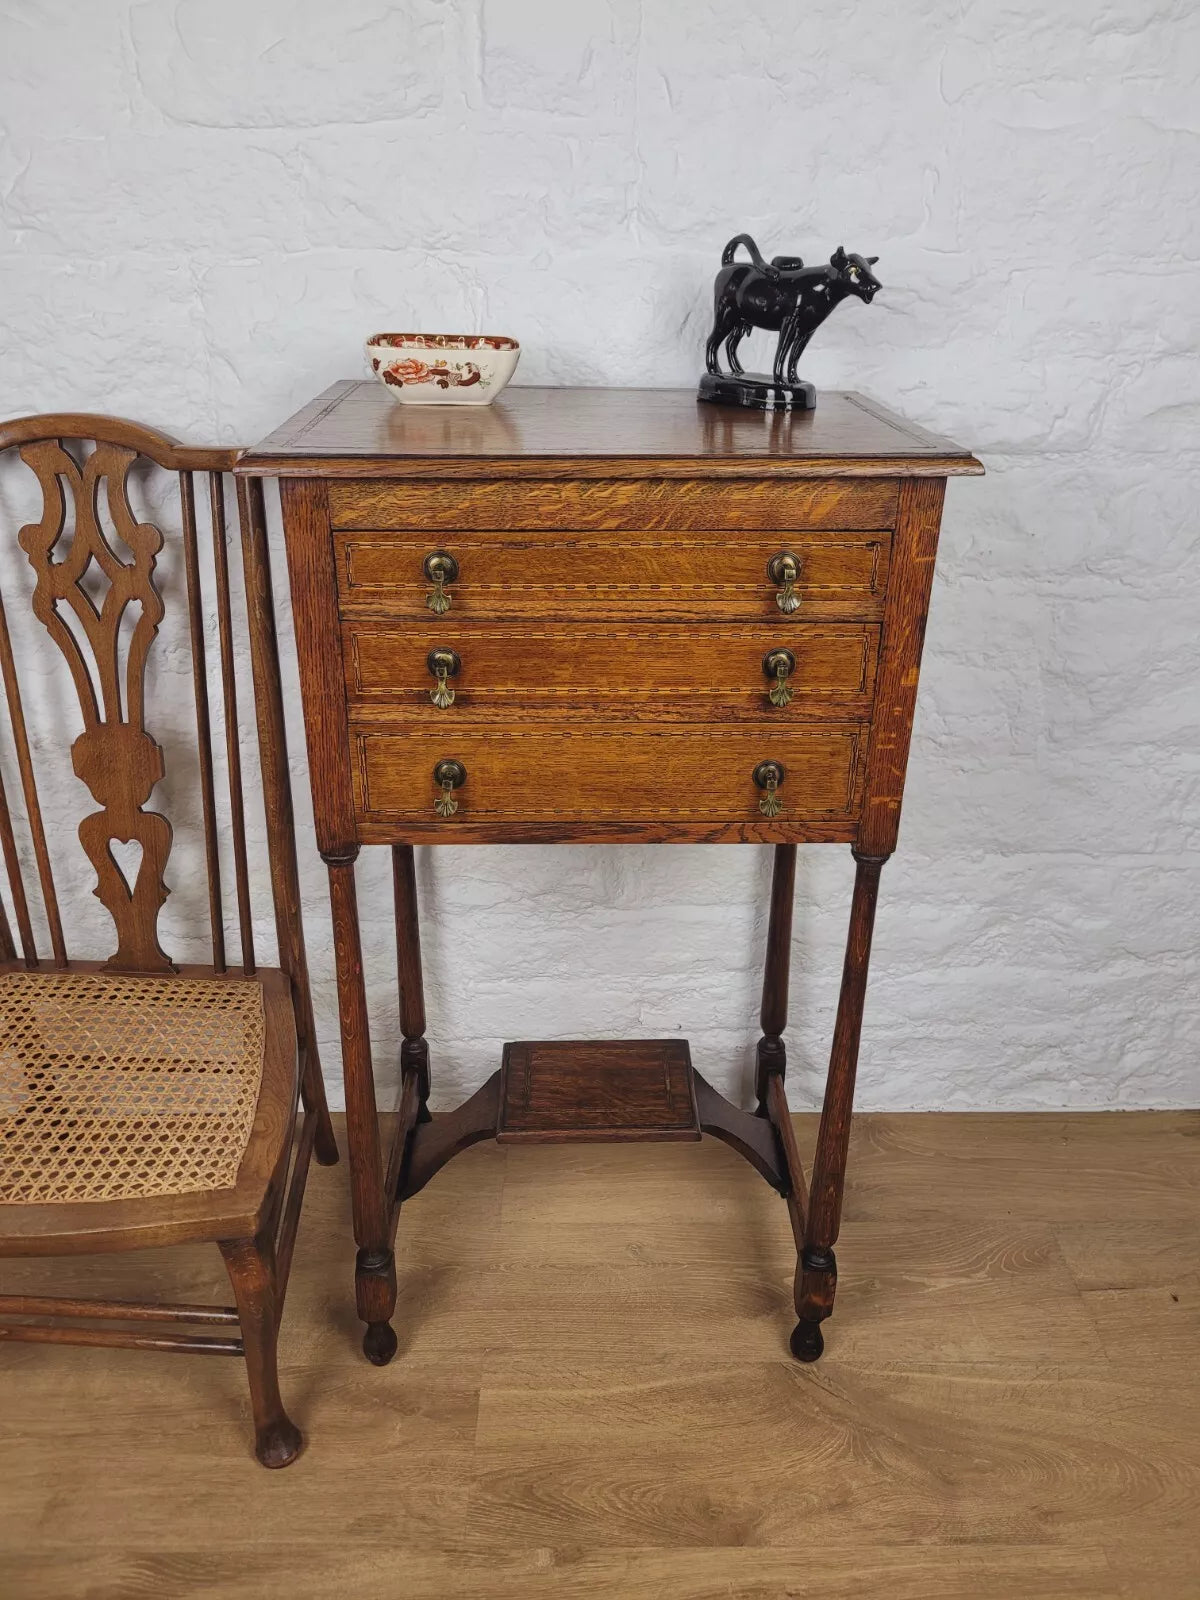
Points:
[(593, 1395)]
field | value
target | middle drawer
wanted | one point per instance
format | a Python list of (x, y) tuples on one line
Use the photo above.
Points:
[(669, 671)]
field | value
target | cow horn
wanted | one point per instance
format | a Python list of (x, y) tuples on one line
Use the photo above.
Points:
[(838, 258)]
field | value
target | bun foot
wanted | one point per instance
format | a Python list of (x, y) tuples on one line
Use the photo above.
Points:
[(279, 1445), (379, 1343), (807, 1341)]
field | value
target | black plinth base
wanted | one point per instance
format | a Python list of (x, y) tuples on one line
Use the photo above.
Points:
[(756, 390)]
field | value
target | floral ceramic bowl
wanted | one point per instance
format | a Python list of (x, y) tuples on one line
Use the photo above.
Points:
[(440, 369)]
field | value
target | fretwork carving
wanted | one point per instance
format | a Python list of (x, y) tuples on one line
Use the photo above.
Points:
[(114, 755)]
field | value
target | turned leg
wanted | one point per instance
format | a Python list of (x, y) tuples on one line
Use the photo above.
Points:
[(816, 1274), (414, 1051), (375, 1267), (771, 1061), (771, 1054), (251, 1267)]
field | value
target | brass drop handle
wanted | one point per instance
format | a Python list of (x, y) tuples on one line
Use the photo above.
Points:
[(784, 569), (440, 568), (768, 776), (448, 775), (443, 664), (779, 666)]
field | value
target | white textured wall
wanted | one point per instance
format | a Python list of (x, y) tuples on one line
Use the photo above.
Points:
[(206, 204)]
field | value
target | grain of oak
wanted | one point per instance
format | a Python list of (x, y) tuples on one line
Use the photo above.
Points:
[(600, 433), (552, 573)]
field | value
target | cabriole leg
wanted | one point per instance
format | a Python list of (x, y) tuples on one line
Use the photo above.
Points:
[(816, 1273), (375, 1267), (251, 1267)]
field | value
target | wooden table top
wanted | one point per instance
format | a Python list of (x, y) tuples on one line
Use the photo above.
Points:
[(356, 429)]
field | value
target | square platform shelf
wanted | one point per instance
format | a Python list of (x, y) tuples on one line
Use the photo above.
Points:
[(605, 1090)]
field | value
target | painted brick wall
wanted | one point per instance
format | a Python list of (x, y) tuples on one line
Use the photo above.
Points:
[(206, 204)]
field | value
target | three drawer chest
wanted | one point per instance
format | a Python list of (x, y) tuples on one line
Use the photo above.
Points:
[(604, 616)]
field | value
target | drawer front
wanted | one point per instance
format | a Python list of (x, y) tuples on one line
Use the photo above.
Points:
[(694, 673), (642, 506), (510, 574), (607, 775)]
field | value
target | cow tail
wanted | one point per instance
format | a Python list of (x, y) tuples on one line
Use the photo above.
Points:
[(730, 251)]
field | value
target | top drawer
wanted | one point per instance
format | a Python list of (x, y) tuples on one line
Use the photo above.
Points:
[(648, 505)]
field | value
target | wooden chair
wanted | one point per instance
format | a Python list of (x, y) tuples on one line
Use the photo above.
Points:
[(144, 1103)]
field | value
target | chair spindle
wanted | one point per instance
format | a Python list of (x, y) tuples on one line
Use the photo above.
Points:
[(33, 809), (237, 808), (187, 496), (15, 882)]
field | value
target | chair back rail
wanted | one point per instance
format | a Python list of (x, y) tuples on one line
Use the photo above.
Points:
[(82, 462)]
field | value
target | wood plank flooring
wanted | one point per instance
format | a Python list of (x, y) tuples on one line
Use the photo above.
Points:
[(593, 1395)]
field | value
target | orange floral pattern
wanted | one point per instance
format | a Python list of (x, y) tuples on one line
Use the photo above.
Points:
[(445, 374)]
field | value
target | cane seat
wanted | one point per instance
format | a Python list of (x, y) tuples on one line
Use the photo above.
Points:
[(120, 1088)]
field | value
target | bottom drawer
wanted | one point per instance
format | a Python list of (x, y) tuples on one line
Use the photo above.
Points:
[(578, 782)]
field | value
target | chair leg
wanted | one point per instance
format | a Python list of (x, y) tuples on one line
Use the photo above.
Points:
[(251, 1267), (277, 799), (312, 1080), (312, 1096)]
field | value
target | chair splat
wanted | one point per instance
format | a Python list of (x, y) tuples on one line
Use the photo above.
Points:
[(114, 755)]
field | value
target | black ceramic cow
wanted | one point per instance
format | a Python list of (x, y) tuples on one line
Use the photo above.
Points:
[(784, 296)]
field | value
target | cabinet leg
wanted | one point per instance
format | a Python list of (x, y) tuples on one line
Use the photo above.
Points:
[(771, 1055), (375, 1292), (816, 1271), (414, 1051), (375, 1270)]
